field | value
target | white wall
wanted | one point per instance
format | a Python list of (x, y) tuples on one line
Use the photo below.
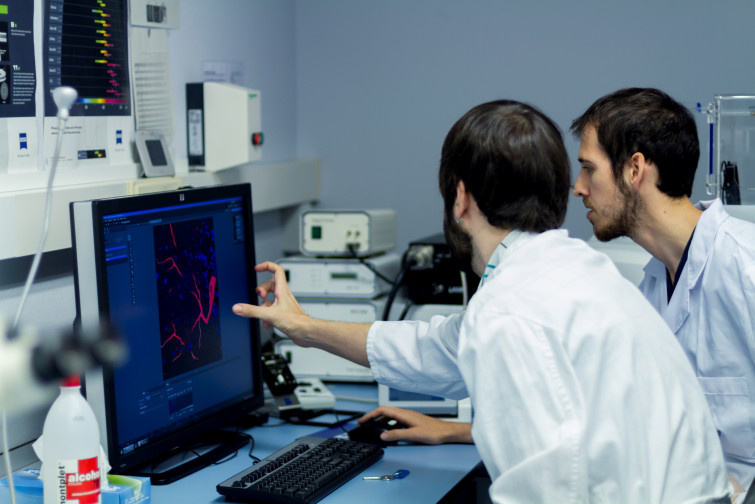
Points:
[(380, 83)]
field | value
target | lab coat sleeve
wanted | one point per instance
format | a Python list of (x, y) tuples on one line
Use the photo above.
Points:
[(529, 409), (417, 356), (746, 260)]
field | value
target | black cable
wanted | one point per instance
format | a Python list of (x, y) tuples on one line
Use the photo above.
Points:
[(251, 449), (405, 310), (352, 416), (339, 423), (352, 250), (396, 286)]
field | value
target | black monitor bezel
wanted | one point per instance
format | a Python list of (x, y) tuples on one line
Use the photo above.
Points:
[(124, 463)]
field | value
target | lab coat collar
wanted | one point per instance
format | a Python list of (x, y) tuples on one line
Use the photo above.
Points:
[(705, 234), (677, 311), (512, 241)]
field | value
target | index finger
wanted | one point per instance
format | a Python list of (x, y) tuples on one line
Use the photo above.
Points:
[(386, 411), (370, 415), (278, 271), (268, 266)]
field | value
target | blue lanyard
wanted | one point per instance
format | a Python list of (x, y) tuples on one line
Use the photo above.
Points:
[(499, 252)]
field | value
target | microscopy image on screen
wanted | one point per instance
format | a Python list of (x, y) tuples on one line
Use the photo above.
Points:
[(187, 295)]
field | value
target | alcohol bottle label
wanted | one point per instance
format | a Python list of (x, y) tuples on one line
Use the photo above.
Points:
[(78, 481)]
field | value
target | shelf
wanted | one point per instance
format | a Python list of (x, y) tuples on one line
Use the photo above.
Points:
[(274, 186)]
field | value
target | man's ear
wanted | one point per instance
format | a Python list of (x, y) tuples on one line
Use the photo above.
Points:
[(462, 200), (636, 170)]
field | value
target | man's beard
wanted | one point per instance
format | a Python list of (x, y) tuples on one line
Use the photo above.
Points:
[(459, 242), (623, 218)]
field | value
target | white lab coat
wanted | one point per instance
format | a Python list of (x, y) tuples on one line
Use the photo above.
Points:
[(580, 392), (712, 314)]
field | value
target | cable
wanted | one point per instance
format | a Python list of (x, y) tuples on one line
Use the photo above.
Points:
[(339, 423), (45, 228), (8, 467), (396, 286), (464, 289), (353, 252), (64, 98), (405, 310), (251, 449)]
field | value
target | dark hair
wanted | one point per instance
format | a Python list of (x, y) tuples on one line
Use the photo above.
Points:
[(512, 159), (648, 121)]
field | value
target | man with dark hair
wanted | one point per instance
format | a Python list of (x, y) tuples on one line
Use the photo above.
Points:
[(580, 392), (639, 152)]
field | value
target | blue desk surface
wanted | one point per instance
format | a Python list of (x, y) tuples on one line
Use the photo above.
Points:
[(434, 469)]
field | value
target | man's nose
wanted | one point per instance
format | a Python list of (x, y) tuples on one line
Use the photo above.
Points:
[(580, 187)]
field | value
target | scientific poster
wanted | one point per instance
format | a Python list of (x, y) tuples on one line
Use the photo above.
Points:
[(86, 47), (17, 68), (18, 83)]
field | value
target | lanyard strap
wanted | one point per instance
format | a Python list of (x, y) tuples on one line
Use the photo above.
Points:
[(499, 252)]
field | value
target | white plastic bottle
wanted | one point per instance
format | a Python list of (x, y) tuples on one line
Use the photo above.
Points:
[(70, 449)]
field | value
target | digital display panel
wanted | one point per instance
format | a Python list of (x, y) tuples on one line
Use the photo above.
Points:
[(156, 153), (86, 47)]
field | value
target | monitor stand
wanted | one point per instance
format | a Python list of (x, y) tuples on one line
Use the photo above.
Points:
[(203, 451)]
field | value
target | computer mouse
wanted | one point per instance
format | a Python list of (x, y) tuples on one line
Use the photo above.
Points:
[(369, 431)]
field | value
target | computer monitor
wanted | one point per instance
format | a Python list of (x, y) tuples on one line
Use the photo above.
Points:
[(164, 271)]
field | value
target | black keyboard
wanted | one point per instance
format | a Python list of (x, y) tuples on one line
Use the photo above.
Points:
[(303, 472)]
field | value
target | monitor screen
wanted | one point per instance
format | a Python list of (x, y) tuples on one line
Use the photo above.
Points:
[(164, 270), (156, 153)]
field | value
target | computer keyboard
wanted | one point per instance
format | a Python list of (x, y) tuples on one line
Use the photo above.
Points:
[(302, 472)]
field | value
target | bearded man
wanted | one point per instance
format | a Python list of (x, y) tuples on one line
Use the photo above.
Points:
[(639, 151)]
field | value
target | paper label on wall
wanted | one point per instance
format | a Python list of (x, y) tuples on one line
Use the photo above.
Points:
[(86, 141)]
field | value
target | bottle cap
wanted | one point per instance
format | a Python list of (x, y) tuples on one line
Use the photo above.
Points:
[(71, 381)]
